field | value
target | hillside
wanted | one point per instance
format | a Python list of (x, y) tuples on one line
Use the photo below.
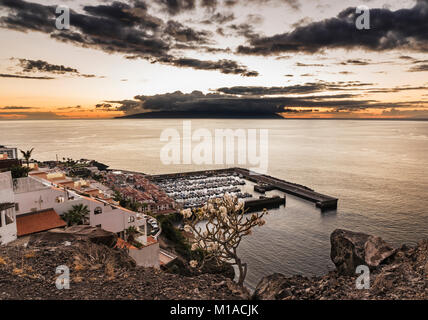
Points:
[(97, 272)]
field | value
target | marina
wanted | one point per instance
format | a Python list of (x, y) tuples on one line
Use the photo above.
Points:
[(194, 189)]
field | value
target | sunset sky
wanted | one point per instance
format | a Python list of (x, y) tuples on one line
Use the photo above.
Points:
[(300, 58)]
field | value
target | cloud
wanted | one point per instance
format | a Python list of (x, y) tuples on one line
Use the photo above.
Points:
[(181, 33), (33, 115), (356, 62), (306, 88), (224, 66), (117, 28), (419, 68), (17, 76), (299, 64), (219, 18), (401, 29), (16, 108), (175, 7), (43, 66), (261, 100), (29, 66)]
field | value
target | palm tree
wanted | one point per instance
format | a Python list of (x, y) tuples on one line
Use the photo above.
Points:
[(130, 233), (77, 215), (27, 156)]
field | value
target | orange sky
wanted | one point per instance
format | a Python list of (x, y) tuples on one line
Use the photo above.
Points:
[(103, 76)]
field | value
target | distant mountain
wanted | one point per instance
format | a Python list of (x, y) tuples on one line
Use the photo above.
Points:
[(202, 115)]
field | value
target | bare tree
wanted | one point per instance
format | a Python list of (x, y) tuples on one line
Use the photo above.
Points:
[(226, 223)]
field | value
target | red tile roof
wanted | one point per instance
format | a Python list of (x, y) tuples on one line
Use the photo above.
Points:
[(38, 222), (122, 244)]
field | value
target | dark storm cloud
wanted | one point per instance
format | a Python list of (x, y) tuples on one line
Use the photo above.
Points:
[(181, 33), (178, 6), (307, 88), (262, 100), (224, 66), (29, 66), (117, 28), (28, 16), (125, 14), (43, 66), (404, 28)]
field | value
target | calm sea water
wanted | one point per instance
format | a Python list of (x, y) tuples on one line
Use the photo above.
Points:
[(378, 170)]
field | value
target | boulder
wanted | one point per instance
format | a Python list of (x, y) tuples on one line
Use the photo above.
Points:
[(351, 249), (377, 251), (83, 232), (273, 287)]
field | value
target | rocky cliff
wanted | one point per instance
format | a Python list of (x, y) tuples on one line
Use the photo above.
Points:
[(400, 273), (97, 271)]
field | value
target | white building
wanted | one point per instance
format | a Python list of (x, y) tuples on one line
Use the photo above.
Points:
[(8, 229), (34, 194), (33, 204), (8, 153)]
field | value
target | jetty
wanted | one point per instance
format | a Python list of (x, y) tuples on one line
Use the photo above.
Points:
[(266, 182), (264, 203)]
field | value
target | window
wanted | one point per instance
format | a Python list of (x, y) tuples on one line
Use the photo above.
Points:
[(98, 226), (16, 206), (131, 219), (59, 199), (9, 217), (98, 210)]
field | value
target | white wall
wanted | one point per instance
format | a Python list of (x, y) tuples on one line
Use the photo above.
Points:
[(38, 200), (7, 231), (31, 195), (147, 257), (6, 187)]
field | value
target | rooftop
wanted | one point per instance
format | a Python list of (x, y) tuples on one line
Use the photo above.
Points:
[(38, 222)]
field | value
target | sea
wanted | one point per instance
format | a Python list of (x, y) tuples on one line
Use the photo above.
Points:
[(377, 169)]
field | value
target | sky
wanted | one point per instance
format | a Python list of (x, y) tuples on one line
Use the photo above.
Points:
[(297, 58)]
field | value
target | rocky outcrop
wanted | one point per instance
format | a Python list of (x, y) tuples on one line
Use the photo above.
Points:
[(97, 271), (395, 273), (350, 250), (83, 232)]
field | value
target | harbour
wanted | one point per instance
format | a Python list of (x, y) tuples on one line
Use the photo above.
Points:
[(212, 183)]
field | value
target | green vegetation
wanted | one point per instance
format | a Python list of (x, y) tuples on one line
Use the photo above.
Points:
[(19, 172), (176, 237), (130, 234), (77, 215)]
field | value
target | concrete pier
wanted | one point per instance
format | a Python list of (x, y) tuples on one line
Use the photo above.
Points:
[(264, 203), (322, 201)]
